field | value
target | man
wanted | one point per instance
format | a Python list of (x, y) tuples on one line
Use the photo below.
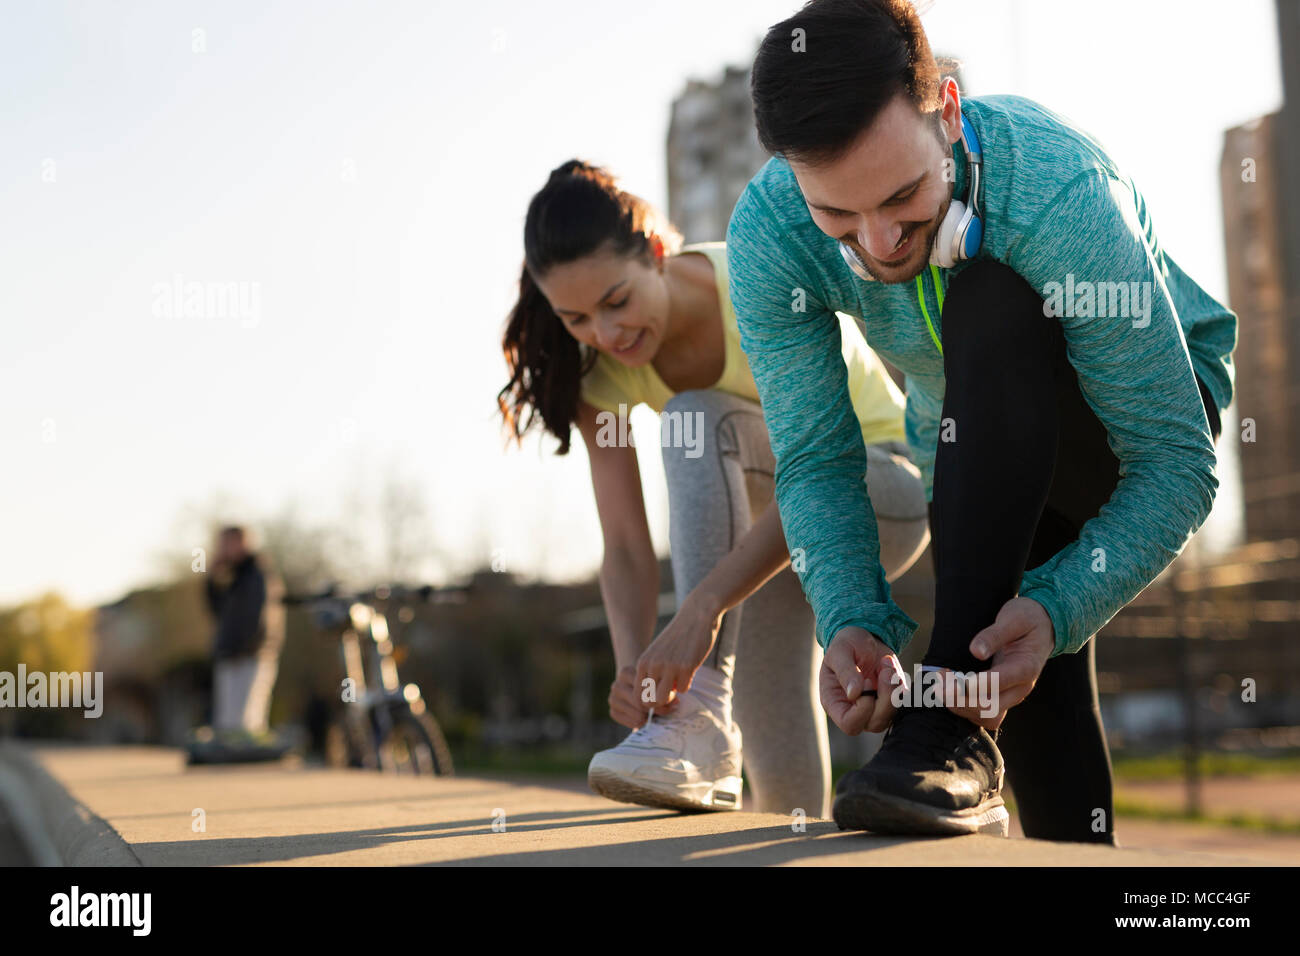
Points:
[(247, 640), (1065, 432)]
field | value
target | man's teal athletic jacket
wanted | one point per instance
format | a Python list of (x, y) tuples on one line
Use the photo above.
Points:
[(1056, 210)]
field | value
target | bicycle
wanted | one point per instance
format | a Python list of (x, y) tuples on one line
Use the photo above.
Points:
[(386, 725)]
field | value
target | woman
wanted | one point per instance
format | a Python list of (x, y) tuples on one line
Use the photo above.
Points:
[(612, 313)]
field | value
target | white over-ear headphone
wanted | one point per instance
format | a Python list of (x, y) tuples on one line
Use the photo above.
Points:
[(962, 228)]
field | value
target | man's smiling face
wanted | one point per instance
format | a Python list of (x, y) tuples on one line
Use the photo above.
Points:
[(886, 195)]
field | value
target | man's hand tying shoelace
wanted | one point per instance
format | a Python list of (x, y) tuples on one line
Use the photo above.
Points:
[(858, 675)]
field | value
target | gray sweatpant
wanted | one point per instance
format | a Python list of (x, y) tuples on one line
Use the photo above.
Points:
[(242, 691), (718, 484)]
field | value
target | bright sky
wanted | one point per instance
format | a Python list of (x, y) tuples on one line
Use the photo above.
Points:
[(362, 171)]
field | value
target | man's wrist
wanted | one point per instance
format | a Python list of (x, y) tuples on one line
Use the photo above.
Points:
[(870, 628), (1060, 636), (856, 629)]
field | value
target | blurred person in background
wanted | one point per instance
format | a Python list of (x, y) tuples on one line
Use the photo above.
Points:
[(244, 598), (611, 314)]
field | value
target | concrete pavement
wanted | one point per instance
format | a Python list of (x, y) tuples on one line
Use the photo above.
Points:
[(286, 814)]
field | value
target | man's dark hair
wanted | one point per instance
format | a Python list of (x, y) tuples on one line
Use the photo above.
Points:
[(815, 92)]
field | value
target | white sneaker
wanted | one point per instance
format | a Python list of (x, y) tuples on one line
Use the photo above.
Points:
[(688, 761)]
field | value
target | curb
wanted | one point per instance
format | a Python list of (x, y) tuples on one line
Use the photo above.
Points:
[(56, 828)]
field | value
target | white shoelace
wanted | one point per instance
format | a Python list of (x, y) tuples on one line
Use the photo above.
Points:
[(688, 723), (644, 731)]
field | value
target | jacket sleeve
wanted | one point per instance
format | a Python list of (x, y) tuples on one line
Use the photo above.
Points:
[(793, 343), (1135, 373)]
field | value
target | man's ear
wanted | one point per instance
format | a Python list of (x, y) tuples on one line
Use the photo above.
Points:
[(950, 112)]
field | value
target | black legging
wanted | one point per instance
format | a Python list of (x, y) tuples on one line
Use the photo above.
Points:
[(1029, 467)]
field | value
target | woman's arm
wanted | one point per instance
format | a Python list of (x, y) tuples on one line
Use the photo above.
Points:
[(629, 572), (677, 653), (629, 588), (629, 577), (758, 556)]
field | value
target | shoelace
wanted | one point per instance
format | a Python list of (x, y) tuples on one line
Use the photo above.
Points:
[(651, 729), (644, 730)]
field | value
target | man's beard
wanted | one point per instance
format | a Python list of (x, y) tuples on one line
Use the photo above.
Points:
[(925, 236), (917, 259)]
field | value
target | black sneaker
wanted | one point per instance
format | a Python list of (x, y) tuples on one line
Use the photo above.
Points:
[(936, 773)]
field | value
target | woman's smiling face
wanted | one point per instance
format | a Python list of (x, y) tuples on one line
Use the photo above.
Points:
[(615, 304)]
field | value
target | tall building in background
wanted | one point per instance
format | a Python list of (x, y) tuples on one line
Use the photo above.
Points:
[(1261, 221), (1251, 174), (713, 152)]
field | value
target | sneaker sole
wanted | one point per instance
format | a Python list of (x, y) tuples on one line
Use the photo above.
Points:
[(719, 795), (885, 813)]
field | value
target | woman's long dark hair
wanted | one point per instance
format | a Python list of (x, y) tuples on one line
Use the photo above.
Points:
[(579, 211)]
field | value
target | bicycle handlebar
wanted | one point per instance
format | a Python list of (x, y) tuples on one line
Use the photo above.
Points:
[(426, 593)]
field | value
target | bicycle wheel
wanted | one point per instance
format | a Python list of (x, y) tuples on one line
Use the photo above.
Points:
[(415, 745), (340, 747)]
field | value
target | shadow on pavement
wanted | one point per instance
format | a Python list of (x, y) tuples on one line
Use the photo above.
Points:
[(325, 805), (766, 845)]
